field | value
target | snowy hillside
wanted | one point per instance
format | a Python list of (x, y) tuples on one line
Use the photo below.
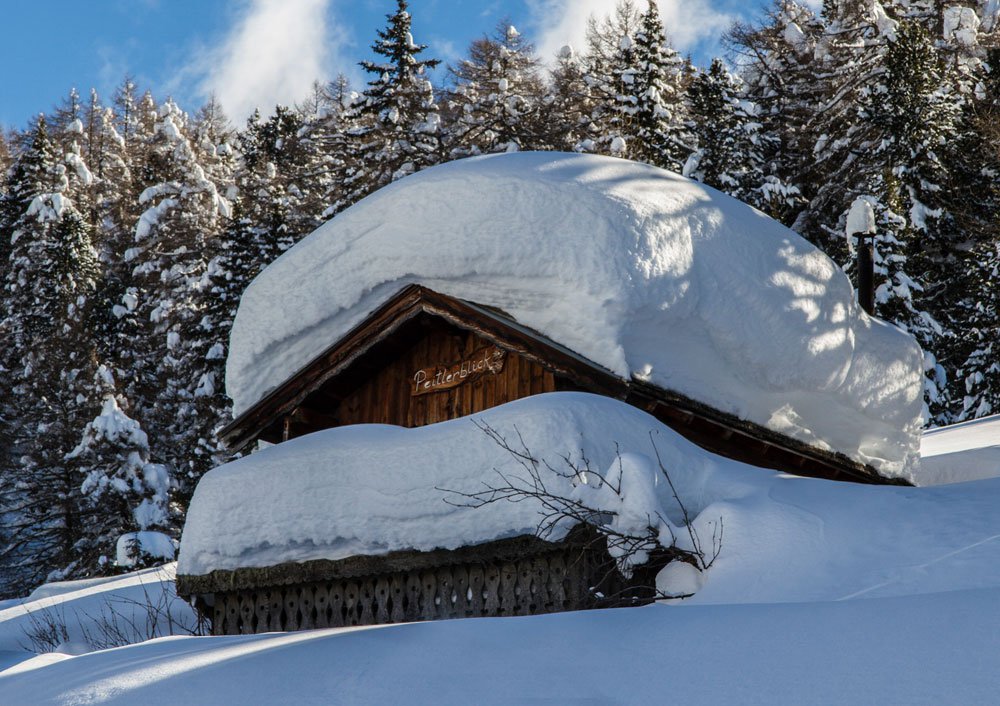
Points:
[(638, 269), (824, 593), (94, 613)]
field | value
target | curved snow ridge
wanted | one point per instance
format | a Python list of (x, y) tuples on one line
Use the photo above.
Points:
[(645, 272), (371, 489)]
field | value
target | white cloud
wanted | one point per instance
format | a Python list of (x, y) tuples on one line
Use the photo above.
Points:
[(690, 24), (272, 55)]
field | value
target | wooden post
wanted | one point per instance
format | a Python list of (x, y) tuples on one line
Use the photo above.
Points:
[(866, 272)]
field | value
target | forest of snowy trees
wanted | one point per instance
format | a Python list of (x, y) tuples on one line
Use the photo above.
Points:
[(129, 227)]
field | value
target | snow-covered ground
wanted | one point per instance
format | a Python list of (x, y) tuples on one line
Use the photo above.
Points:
[(923, 649), (824, 592), (960, 452), (72, 617)]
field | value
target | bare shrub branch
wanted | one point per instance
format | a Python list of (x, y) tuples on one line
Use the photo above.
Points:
[(121, 621), (558, 513)]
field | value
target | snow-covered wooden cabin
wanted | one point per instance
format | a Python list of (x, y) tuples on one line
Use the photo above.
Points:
[(478, 283)]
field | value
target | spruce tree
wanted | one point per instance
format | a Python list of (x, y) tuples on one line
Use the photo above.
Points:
[(267, 219), (913, 116), (612, 66), (123, 492), (51, 273), (637, 82), (721, 159), (974, 287), (569, 103), (398, 125), (731, 145), (658, 120)]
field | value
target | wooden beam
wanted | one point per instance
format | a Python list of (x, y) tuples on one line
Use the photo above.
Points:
[(313, 418)]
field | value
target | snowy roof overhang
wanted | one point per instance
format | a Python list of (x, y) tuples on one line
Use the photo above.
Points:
[(717, 430)]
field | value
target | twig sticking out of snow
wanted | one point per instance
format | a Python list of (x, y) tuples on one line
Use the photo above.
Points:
[(620, 504)]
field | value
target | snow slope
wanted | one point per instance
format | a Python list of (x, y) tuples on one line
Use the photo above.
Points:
[(82, 606), (640, 270), (824, 593), (928, 649), (960, 452)]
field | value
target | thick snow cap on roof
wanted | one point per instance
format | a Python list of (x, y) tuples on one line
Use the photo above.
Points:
[(642, 271), (370, 489)]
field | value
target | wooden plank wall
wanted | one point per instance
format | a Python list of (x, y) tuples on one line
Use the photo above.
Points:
[(385, 397)]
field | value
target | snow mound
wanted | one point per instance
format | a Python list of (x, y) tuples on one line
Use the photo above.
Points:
[(642, 271), (94, 612), (372, 489), (916, 650), (960, 452), (824, 592)]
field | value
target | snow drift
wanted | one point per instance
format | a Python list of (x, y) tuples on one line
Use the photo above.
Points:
[(371, 488), (960, 452), (825, 592), (135, 606), (916, 650), (642, 271)]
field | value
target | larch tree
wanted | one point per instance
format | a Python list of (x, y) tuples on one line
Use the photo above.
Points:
[(779, 67), (496, 100), (176, 389)]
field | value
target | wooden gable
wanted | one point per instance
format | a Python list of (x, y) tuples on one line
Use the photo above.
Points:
[(438, 372), (424, 357)]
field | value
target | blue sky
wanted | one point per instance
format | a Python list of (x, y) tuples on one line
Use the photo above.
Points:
[(259, 52)]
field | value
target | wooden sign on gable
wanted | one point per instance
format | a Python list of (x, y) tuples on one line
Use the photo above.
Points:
[(487, 360)]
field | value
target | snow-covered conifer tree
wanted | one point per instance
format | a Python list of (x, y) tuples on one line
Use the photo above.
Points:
[(731, 143), (568, 103), (398, 125), (123, 492), (914, 115), (268, 217), (46, 387), (658, 119), (974, 288), (611, 69), (176, 389)]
